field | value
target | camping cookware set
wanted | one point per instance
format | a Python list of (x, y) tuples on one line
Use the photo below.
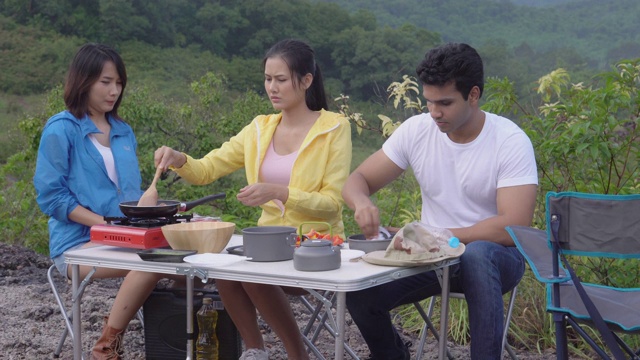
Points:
[(278, 243), (141, 227)]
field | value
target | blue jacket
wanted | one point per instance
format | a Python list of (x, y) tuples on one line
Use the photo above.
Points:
[(70, 172)]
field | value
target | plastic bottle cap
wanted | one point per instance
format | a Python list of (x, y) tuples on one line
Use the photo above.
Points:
[(207, 300), (454, 242)]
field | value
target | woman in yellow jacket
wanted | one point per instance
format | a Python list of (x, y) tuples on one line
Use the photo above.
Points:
[(296, 163)]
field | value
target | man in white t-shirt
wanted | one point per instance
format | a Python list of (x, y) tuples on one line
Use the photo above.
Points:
[(477, 174)]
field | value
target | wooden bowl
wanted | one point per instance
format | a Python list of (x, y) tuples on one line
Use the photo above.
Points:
[(202, 236)]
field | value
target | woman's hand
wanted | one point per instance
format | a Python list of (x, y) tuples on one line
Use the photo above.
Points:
[(86, 217), (260, 193), (166, 156)]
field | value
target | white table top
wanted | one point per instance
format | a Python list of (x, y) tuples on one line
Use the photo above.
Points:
[(351, 276)]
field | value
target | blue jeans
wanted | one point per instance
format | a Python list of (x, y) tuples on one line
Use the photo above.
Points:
[(486, 271)]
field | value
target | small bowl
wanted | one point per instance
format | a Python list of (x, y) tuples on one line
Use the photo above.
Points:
[(202, 236), (360, 242)]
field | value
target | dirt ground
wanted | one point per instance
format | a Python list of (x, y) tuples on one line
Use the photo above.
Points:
[(32, 323)]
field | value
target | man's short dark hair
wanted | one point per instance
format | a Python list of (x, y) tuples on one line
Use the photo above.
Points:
[(455, 62)]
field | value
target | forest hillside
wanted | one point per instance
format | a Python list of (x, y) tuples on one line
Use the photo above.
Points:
[(601, 32), (362, 45)]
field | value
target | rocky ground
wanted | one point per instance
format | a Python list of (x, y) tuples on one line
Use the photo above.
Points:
[(32, 323)]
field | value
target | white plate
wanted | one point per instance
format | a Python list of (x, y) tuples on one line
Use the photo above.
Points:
[(211, 259), (346, 254)]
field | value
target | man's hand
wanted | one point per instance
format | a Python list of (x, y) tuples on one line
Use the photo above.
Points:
[(372, 175), (368, 218)]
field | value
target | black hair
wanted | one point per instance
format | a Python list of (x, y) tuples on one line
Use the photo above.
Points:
[(455, 62), (300, 58), (84, 71)]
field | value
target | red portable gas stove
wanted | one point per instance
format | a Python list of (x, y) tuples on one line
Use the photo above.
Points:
[(137, 233)]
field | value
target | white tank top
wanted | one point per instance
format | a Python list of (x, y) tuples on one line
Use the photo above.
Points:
[(107, 156)]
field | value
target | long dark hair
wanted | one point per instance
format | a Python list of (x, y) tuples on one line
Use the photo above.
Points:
[(84, 71), (300, 58)]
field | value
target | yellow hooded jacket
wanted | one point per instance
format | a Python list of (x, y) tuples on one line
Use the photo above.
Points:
[(317, 176)]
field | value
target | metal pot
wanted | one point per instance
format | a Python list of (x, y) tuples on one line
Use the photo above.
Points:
[(269, 243), (165, 208), (360, 242), (316, 255)]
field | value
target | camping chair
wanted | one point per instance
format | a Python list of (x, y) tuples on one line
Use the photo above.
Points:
[(428, 325), (56, 287), (594, 226)]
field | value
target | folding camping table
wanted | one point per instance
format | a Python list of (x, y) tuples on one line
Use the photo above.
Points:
[(351, 276)]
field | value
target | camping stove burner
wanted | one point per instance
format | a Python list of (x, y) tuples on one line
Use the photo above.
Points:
[(147, 222), (139, 233)]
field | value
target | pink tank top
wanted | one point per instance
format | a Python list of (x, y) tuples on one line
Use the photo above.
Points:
[(276, 169)]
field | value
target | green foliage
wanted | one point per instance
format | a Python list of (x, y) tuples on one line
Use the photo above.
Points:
[(20, 218), (148, 116), (380, 54), (196, 37), (585, 135), (30, 226), (594, 27), (586, 139), (12, 108), (33, 61), (167, 71), (124, 20)]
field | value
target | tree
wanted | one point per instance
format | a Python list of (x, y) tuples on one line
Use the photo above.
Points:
[(368, 60), (215, 24), (121, 21)]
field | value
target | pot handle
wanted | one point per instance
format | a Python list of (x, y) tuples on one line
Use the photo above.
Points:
[(292, 240), (191, 204), (316, 222)]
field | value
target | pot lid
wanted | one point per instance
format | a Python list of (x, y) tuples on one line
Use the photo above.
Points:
[(316, 243)]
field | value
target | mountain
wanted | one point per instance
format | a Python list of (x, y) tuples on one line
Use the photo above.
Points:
[(603, 31)]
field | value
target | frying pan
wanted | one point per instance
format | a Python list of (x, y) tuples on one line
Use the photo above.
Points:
[(165, 208)]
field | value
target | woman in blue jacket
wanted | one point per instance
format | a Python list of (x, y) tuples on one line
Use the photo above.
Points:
[(86, 167)]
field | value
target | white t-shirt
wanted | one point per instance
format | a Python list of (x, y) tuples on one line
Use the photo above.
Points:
[(459, 182)]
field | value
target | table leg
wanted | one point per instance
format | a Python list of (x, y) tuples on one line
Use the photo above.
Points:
[(444, 314), (341, 308), (76, 311), (190, 335)]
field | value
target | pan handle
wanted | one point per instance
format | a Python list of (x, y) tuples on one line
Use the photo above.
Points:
[(191, 204)]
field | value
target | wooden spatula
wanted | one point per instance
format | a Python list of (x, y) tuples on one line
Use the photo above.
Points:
[(150, 197)]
